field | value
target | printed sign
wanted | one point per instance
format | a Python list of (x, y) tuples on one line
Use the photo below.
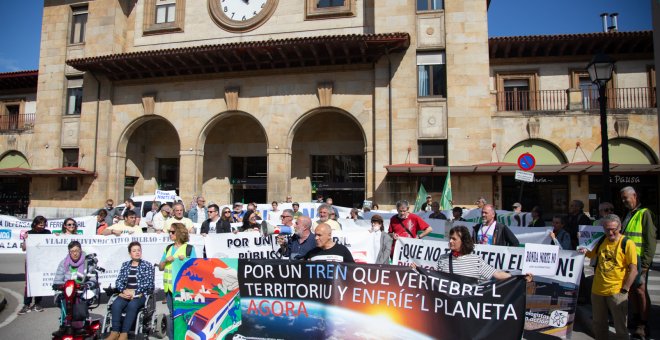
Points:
[(540, 259)]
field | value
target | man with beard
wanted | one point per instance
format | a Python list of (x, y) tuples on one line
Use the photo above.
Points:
[(301, 242)]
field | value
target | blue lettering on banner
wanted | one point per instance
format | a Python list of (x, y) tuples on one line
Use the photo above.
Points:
[(5, 234)]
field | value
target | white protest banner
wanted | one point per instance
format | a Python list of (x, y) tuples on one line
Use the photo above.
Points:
[(44, 253), (244, 245), (551, 300), (589, 236), (539, 235), (165, 195), (13, 230), (540, 259), (251, 245)]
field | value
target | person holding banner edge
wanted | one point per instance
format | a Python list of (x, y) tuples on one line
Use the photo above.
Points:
[(173, 258), (38, 227), (463, 261), (614, 274)]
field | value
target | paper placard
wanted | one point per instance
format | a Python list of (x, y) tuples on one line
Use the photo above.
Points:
[(540, 259)]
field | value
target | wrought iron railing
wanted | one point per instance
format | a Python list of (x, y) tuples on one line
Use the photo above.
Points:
[(16, 122), (558, 100)]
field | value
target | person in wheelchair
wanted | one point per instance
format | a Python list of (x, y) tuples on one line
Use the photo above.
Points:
[(135, 281), (72, 267)]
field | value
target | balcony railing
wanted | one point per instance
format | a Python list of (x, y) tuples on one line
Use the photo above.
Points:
[(559, 100), (546, 100), (621, 98), (17, 122)]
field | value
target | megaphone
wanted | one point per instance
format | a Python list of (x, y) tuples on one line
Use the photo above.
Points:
[(268, 228)]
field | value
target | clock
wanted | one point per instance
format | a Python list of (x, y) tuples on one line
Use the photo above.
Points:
[(241, 15)]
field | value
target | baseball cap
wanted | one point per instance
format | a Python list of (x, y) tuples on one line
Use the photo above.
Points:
[(238, 204), (428, 196), (517, 205)]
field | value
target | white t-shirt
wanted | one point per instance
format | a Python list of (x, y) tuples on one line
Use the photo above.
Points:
[(486, 231), (200, 215)]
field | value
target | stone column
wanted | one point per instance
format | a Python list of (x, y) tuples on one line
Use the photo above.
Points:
[(279, 173), (369, 174), (190, 173), (575, 101), (116, 174)]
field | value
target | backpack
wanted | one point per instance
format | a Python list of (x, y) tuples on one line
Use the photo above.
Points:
[(189, 249), (624, 242)]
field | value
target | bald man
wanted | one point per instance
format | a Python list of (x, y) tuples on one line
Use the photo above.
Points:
[(327, 249)]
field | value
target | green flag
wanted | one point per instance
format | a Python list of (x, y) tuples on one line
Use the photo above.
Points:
[(421, 198), (446, 199)]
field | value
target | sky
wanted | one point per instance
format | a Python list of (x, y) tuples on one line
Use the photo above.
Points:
[(20, 22)]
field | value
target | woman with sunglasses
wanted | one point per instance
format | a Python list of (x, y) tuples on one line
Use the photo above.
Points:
[(174, 257), (69, 227), (222, 221)]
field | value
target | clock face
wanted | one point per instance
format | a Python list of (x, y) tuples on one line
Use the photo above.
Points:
[(242, 10), (241, 15)]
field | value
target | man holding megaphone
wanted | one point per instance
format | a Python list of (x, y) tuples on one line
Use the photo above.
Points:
[(300, 243)]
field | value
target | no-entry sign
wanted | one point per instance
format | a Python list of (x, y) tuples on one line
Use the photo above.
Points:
[(526, 162)]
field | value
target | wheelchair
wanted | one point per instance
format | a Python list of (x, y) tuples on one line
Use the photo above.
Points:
[(147, 323)]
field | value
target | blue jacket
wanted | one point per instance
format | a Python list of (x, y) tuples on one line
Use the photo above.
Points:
[(192, 214), (145, 277)]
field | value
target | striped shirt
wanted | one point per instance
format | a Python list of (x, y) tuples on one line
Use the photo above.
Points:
[(132, 282), (470, 265)]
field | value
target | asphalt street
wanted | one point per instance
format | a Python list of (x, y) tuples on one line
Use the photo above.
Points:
[(33, 325), (40, 325)]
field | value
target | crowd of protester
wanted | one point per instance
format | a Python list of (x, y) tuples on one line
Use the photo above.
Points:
[(623, 256)]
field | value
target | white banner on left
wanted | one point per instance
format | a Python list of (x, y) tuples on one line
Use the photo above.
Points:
[(12, 230), (44, 253)]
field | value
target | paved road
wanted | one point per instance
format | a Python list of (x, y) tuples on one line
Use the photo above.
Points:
[(33, 325), (40, 325)]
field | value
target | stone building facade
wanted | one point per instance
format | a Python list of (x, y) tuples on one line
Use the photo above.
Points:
[(355, 99)]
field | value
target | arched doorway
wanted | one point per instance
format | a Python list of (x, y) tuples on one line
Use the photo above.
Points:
[(14, 191), (328, 158), (235, 159), (152, 158), (549, 192)]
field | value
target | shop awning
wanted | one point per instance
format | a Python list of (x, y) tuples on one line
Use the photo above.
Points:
[(506, 168), (57, 172), (336, 50)]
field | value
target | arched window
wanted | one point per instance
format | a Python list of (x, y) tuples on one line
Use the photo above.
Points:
[(544, 152), (626, 151), (14, 159)]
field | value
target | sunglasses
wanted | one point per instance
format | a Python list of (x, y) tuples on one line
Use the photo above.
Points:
[(285, 216), (70, 224), (172, 231)]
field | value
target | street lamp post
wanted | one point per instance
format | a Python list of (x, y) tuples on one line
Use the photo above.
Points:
[(600, 71)]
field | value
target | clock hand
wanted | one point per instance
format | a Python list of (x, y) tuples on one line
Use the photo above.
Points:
[(247, 2)]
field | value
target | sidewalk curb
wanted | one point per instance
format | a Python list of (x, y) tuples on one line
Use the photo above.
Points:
[(3, 301)]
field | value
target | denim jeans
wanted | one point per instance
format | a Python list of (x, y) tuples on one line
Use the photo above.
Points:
[(170, 320), (130, 307)]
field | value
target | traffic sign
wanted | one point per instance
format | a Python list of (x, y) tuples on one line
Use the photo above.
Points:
[(526, 162), (524, 176)]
